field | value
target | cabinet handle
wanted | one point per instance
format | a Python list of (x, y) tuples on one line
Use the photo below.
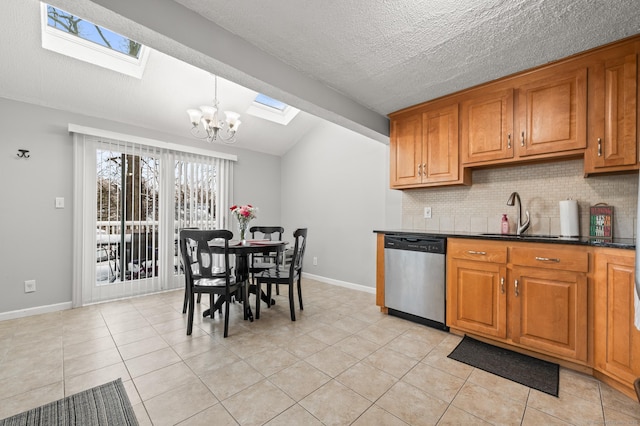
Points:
[(599, 147), (419, 169), (522, 140), (502, 285), (509, 141), (481, 253), (548, 259), (517, 291)]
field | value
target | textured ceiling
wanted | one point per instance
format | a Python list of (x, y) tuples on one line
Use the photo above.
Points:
[(351, 62), (388, 55)]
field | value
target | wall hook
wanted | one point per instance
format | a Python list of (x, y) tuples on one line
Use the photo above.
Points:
[(23, 153)]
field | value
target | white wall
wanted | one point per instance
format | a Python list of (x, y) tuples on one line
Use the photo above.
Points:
[(335, 182), (257, 182), (36, 237)]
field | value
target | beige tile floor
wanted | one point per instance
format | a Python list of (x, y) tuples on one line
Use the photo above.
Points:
[(342, 362)]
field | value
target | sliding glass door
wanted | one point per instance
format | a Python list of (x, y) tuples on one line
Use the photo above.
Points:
[(135, 199)]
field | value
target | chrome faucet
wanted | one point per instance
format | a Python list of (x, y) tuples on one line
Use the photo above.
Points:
[(520, 227)]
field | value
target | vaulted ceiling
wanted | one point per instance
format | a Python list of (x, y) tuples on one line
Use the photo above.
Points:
[(350, 62)]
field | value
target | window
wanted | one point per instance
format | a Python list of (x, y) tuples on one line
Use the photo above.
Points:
[(70, 35), (272, 110)]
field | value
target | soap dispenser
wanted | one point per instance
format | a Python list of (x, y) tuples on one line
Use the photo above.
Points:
[(505, 224)]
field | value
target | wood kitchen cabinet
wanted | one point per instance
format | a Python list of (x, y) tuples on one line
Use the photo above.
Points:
[(548, 299), (552, 112), (529, 295), (612, 141), (406, 150), (424, 148), (584, 106), (486, 123), (380, 272), (617, 341), (549, 117), (440, 145), (477, 272)]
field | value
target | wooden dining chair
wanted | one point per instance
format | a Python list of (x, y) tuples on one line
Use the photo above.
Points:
[(203, 276), (287, 275)]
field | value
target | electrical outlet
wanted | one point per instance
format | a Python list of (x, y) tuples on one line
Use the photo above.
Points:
[(315, 261), (30, 286), (427, 212)]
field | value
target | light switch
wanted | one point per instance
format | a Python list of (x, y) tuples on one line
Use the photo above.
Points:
[(59, 202)]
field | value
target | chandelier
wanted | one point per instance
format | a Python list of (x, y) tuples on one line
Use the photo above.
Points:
[(207, 125)]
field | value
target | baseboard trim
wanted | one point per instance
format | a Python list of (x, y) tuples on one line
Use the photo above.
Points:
[(21, 313), (339, 283)]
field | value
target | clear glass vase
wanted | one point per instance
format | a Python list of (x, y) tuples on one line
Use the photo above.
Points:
[(242, 228)]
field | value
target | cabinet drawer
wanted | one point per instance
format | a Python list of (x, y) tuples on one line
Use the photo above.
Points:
[(566, 259), (482, 251)]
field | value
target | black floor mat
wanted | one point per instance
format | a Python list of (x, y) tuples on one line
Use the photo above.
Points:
[(532, 372)]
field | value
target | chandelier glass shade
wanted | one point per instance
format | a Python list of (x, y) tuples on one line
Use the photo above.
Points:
[(206, 123)]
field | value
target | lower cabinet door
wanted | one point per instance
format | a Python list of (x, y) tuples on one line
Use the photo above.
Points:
[(549, 311), (477, 297), (617, 341)]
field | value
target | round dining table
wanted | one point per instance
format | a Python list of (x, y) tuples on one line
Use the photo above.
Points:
[(242, 250)]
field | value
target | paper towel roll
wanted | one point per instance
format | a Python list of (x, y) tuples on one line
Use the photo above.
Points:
[(569, 218)]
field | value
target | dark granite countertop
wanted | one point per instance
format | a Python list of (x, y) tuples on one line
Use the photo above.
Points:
[(623, 243)]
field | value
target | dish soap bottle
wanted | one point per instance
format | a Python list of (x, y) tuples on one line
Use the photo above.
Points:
[(505, 224)]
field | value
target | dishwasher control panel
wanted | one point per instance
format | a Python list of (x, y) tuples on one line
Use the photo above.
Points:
[(415, 243)]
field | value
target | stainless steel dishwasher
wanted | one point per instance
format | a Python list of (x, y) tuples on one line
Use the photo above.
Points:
[(414, 278)]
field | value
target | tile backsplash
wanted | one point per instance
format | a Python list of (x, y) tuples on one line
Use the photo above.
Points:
[(479, 207)]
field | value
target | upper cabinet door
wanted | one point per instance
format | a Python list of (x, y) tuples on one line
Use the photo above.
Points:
[(406, 151), (440, 145), (552, 114), (487, 127), (612, 114)]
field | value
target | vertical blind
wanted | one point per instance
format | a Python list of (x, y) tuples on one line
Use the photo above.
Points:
[(130, 200), (127, 211)]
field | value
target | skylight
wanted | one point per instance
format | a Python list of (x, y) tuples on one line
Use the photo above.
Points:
[(70, 35), (272, 109), (270, 102)]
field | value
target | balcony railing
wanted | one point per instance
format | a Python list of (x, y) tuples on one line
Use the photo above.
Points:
[(139, 257)]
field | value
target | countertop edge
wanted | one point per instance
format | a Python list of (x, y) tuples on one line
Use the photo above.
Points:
[(621, 243)]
